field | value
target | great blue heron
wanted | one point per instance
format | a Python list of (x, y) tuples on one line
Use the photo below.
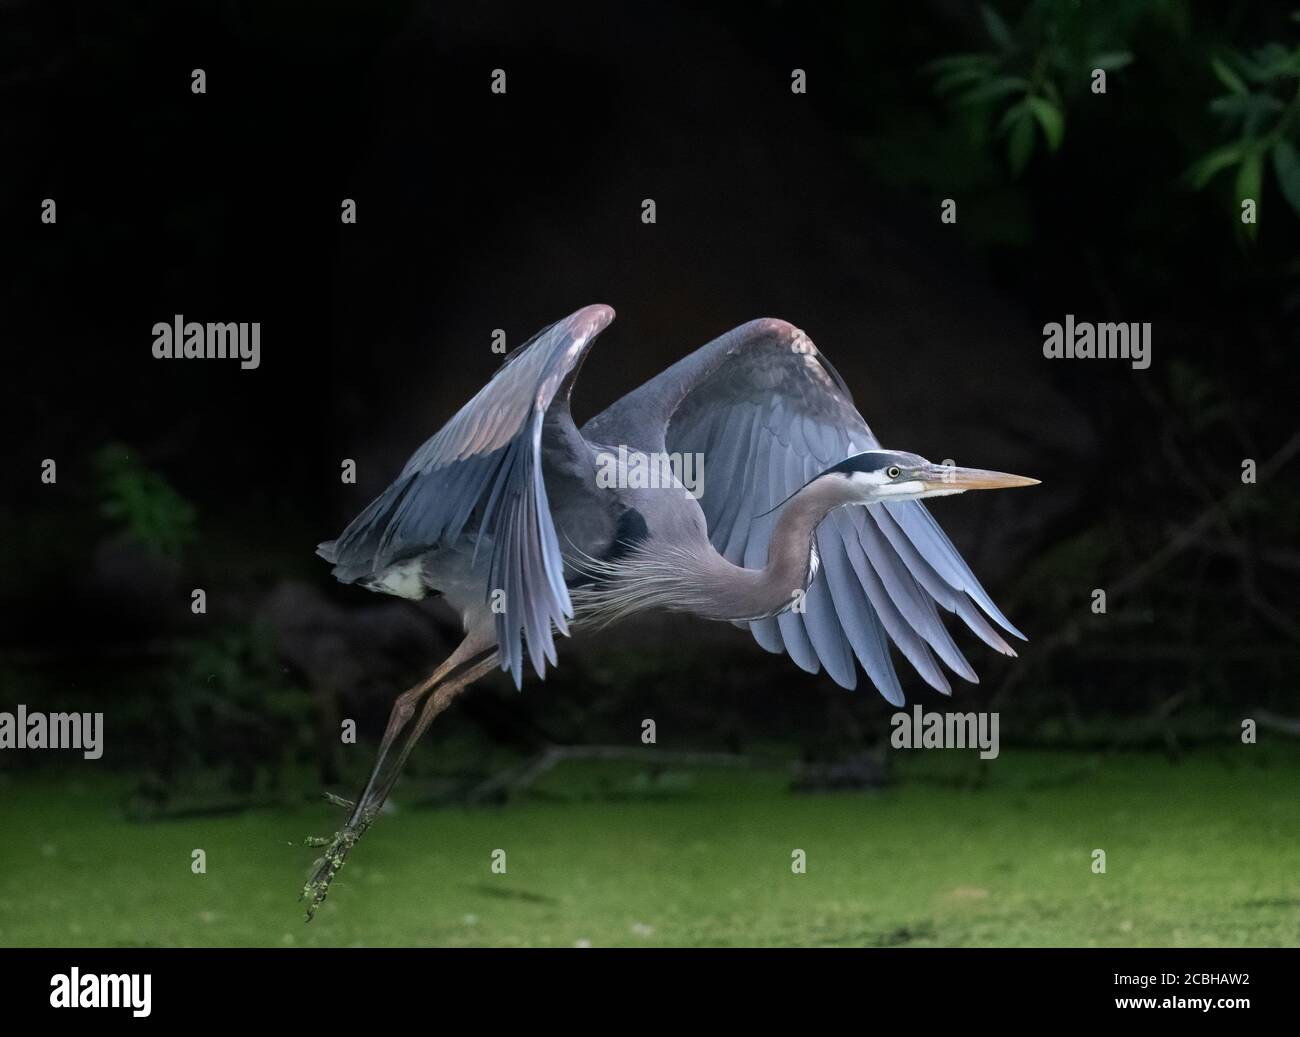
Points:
[(805, 530)]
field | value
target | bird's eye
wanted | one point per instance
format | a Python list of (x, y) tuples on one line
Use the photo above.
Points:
[(893, 471)]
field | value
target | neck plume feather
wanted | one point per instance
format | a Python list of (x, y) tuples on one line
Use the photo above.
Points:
[(686, 576)]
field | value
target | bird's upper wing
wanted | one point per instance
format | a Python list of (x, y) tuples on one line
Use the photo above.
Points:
[(482, 473), (768, 413)]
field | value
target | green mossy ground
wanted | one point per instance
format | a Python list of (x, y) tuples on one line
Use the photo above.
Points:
[(1201, 852)]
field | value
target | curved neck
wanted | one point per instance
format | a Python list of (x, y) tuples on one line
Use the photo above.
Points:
[(685, 573), (790, 566), (726, 591)]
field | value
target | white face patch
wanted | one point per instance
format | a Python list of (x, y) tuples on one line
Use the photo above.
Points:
[(877, 486), (867, 480), (911, 488)]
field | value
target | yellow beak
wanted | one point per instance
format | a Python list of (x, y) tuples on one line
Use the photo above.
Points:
[(950, 478)]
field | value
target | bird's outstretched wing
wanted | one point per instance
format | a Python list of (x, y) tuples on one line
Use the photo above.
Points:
[(482, 474), (768, 413)]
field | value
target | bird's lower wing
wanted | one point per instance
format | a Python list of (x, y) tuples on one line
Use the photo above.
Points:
[(768, 414), (481, 474)]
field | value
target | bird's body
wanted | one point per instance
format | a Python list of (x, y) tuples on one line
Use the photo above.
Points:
[(802, 528)]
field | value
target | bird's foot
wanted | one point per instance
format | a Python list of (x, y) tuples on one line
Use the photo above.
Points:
[(328, 864)]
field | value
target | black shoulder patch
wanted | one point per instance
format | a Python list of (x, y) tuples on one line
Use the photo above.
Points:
[(631, 530)]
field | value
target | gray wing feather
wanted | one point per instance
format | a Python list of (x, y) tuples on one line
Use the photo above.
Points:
[(950, 597), (916, 607), (871, 589), (481, 475), (794, 635), (768, 413)]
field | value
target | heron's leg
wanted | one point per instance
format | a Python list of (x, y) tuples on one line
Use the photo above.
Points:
[(403, 710), (438, 701), (448, 680)]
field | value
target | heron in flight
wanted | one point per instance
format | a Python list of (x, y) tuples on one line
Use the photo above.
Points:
[(805, 530)]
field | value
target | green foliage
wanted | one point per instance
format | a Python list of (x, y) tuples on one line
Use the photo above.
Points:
[(142, 501), (1034, 69), (1036, 66), (1261, 111), (231, 721)]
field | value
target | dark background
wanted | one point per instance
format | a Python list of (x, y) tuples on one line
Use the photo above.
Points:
[(478, 212)]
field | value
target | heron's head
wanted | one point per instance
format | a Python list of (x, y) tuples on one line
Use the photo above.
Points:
[(887, 475)]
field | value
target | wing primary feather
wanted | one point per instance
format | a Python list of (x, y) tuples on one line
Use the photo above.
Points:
[(915, 605), (951, 598), (827, 636), (933, 542), (876, 597), (797, 645)]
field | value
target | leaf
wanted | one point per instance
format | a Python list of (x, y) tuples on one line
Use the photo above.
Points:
[(1274, 61), (959, 77), (992, 89), (1051, 119), (1242, 105), (1112, 60), (1250, 176), (1249, 69), (1021, 145), (1012, 115), (1227, 77), (1205, 168), (1286, 164), (997, 28), (953, 62)]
